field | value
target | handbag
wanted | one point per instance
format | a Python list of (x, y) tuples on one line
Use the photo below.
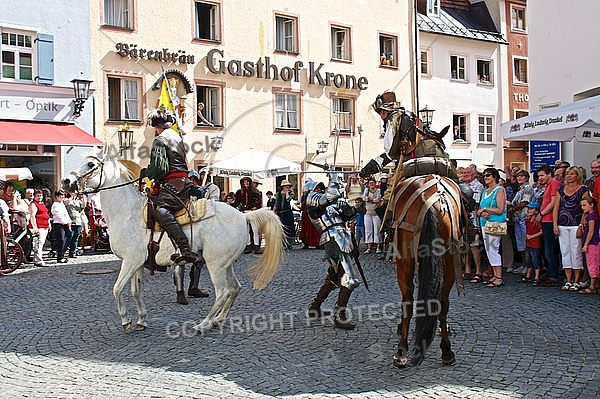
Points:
[(495, 228)]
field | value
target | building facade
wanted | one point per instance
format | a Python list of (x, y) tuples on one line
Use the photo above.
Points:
[(515, 26), (279, 77), (43, 48), (461, 77)]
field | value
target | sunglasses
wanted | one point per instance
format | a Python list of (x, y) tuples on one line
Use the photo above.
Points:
[(487, 175)]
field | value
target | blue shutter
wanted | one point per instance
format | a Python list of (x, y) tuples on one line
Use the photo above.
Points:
[(45, 45)]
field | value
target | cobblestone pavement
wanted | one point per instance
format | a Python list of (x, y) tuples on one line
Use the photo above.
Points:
[(61, 338)]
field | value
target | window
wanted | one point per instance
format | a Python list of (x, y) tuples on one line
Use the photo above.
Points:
[(340, 43), (518, 18), (425, 60), (286, 111), (520, 68), (520, 114), (207, 21), (461, 124), (117, 13), (211, 96), (123, 99), (387, 51), (458, 67), (343, 114), (285, 34), (484, 69), (433, 7), (486, 129), (17, 56)]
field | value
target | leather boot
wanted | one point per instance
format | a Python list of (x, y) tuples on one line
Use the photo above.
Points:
[(248, 249), (193, 290), (314, 309), (167, 221), (341, 318), (178, 276)]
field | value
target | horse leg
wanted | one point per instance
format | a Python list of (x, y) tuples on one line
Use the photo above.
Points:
[(136, 293), (224, 286), (231, 292), (127, 271), (448, 357), (405, 276)]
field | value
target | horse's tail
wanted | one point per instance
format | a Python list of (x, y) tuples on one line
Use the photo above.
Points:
[(262, 270), (430, 283)]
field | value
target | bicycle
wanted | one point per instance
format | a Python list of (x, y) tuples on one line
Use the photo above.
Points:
[(11, 253)]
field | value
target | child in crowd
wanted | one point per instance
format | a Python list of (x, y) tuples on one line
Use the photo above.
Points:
[(590, 241), (359, 223), (533, 243)]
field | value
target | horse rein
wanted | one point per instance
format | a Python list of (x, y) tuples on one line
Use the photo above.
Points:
[(98, 189)]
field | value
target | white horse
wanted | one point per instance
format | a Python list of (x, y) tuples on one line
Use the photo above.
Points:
[(221, 238)]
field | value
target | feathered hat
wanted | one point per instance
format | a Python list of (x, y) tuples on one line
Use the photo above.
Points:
[(162, 118)]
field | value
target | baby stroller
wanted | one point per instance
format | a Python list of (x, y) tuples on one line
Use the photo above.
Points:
[(97, 237)]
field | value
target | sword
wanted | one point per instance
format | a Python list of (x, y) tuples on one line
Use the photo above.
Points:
[(357, 262)]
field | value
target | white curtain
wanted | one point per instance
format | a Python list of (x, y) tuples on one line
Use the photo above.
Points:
[(130, 91)]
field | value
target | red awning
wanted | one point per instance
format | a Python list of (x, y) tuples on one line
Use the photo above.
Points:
[(13, 132)]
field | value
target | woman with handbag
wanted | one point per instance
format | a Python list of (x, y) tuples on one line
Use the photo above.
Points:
[(566, 216), (492, 213)]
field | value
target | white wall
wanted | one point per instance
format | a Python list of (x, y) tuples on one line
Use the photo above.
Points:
[(450, 97), (564, 39)]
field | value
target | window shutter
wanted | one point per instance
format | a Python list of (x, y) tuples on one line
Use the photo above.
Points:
[(45, 59)]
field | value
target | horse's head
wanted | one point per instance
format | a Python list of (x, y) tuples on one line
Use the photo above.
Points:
[(88, 175)]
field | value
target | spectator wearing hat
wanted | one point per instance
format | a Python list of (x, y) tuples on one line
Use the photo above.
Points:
[(533, 242), (255, 184), (247, 199), (283, 209), (372, 197)]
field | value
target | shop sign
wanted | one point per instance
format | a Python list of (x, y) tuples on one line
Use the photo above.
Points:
[(14, 105), (262, 68)]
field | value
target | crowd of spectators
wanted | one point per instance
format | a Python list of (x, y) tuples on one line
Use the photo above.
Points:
[(552, 226), (31, 216)]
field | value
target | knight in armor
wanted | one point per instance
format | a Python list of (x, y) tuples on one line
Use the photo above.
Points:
[(329, 212), (168, 168)]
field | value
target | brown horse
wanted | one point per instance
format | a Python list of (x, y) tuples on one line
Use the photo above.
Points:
[(427, 237)]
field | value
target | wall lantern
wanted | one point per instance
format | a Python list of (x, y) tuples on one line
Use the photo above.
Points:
[(426, 116), (81, 87), (322, 147), (125, 137), (217, 143)]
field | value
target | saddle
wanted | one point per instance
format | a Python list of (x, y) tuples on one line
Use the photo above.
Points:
[(417, 194), (195, 209)]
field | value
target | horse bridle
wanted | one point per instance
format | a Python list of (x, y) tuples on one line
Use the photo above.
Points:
[(82, 178)]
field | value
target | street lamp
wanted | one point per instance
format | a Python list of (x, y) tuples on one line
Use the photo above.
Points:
[(125, 137), (81, 87), (322, 147), (217, 143), (426, 116)]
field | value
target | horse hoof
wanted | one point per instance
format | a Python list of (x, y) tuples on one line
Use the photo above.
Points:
[(140, 327), (126, 327), (401, 362), (450, 361)]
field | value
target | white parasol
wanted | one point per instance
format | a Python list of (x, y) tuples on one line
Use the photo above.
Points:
[(255, 164), (15, 174)]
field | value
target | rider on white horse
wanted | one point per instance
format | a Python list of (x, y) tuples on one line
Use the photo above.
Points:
[(168, 168), (329, 212)]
